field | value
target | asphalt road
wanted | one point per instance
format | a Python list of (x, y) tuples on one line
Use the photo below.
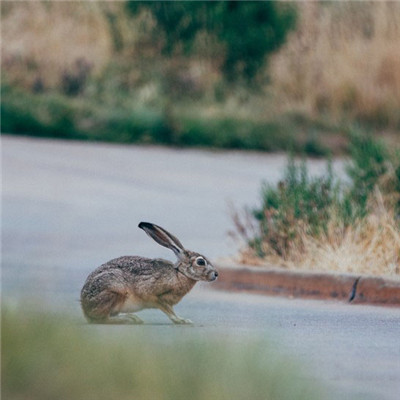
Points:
[(68, 207)]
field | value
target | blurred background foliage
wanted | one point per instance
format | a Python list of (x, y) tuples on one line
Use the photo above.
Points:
[(246, 31), (248, 75)]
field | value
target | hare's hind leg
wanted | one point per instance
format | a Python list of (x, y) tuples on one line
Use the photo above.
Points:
[(167, 309), (104, 308)]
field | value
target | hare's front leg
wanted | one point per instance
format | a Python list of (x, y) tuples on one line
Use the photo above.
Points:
[(167, 309)]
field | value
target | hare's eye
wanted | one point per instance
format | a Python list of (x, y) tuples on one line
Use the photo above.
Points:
[(200, 261)]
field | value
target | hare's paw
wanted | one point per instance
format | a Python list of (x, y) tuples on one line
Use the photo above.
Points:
[(167, 309), (181, 321)]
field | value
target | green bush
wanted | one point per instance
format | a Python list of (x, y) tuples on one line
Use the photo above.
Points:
[(231, 133), (54, 115), (125, 120), (38, 115), (249, 31), (369, 163), (301, 204)]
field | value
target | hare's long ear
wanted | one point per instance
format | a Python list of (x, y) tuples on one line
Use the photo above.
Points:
[(161, 236)]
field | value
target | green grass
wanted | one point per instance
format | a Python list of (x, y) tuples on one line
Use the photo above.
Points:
[(124, 119), (51, 357)]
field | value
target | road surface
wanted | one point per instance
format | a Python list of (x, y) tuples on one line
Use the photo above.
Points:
[(68, 207)]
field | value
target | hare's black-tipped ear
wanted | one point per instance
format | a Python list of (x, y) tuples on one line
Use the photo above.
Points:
[(161, 236)]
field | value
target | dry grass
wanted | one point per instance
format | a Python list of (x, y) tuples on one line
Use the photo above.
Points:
[(341, 64), (344, 59), (370, 246), (44, 39)]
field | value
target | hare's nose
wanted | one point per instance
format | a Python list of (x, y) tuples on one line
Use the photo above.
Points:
[(215, 273)]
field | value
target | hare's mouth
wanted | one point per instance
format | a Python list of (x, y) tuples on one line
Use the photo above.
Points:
[(212, 276)]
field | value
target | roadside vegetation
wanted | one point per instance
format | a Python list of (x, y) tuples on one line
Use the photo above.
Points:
[(128, 74), (50, 357), (324, 224)]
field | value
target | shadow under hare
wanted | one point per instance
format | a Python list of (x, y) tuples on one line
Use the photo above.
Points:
[(120, 287)]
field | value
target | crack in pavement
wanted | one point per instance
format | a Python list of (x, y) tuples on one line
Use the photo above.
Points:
[(354, 289)]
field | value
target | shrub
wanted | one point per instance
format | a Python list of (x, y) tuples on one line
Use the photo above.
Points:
[(305, 218), (300, 204), (249, 31), (38, 115), (127, 120), (371, 166)]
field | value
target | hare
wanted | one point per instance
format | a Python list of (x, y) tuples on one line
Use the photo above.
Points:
[(129, 284)]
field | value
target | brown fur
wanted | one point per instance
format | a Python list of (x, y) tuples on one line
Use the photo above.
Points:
[(131, 283)]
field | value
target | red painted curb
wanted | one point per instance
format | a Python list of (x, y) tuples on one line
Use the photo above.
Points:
[(310, 285)]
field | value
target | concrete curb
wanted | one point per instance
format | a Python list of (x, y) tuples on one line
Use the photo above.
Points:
[(309, 285)]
